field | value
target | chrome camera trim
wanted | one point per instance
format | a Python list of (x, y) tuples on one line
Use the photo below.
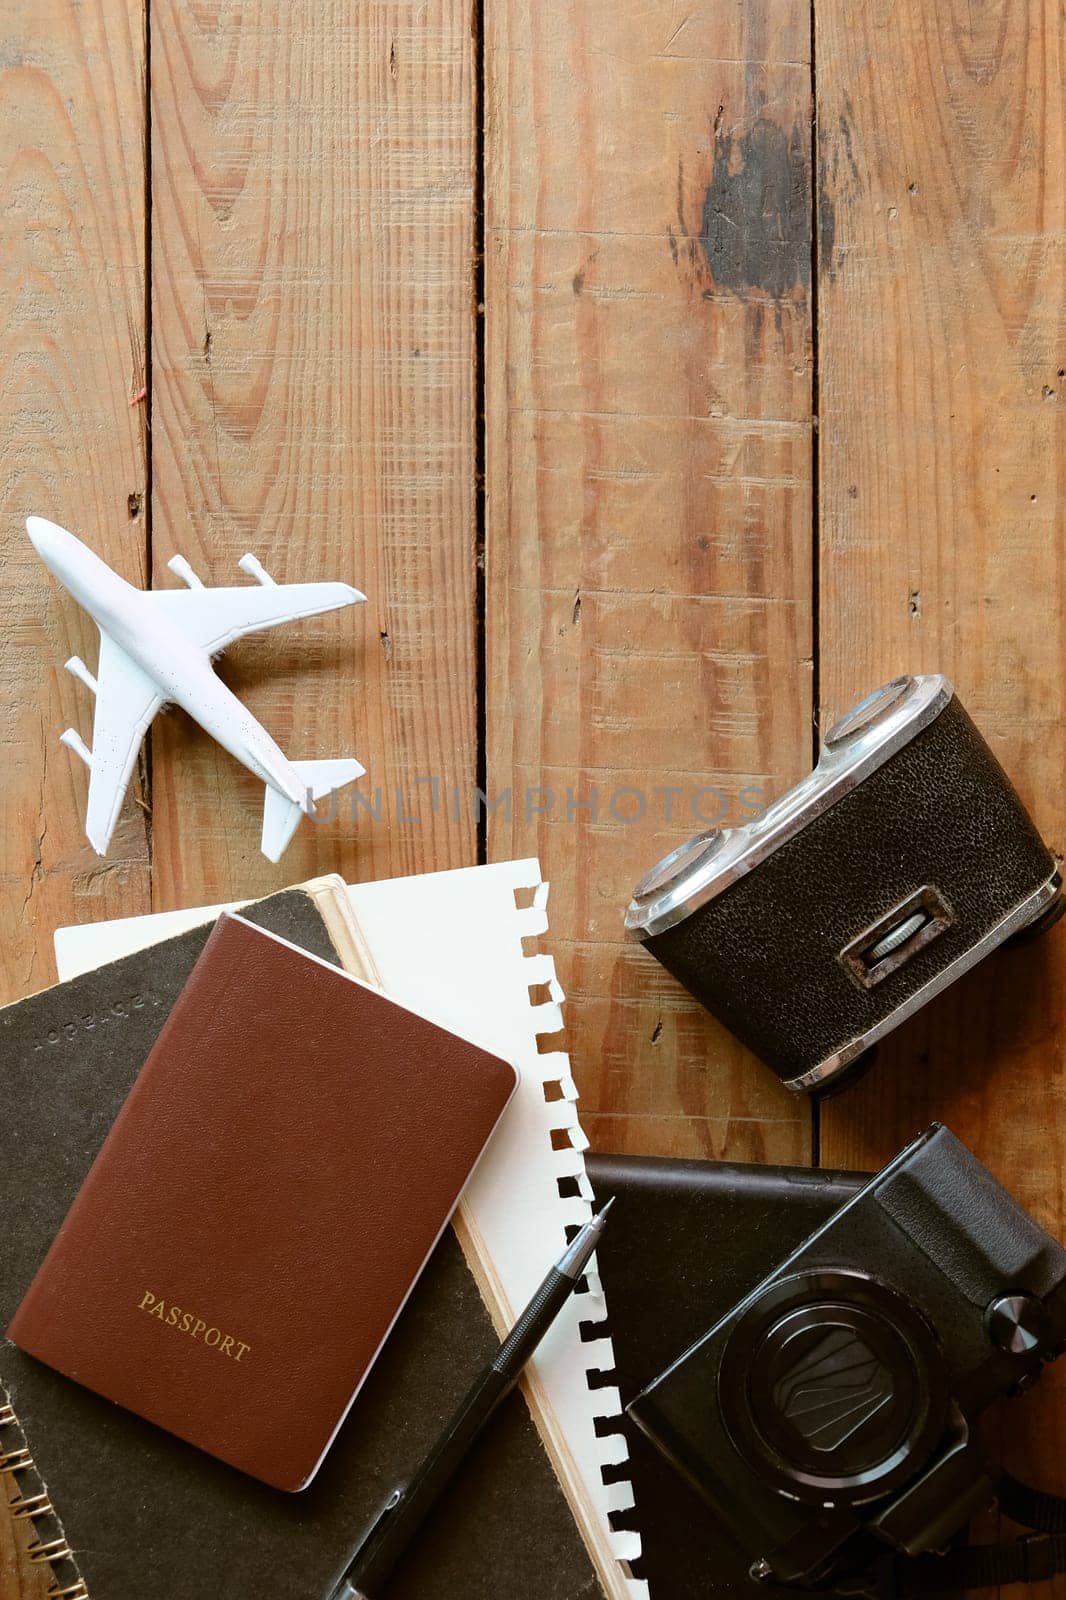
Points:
[(862, 740)]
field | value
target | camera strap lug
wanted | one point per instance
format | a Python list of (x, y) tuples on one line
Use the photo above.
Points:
[(1031, 1558)]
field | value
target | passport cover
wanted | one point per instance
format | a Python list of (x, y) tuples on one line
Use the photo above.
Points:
[(270, 1192)]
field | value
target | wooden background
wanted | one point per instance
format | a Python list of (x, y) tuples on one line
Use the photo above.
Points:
[(667, 375)]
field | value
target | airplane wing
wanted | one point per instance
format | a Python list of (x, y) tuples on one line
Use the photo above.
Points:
[(126, 701), (213, 618)]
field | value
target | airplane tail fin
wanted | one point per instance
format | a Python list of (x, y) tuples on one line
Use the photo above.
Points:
[(281, 815)]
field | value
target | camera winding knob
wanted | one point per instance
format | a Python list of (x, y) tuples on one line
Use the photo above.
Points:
[(1017, 1324)]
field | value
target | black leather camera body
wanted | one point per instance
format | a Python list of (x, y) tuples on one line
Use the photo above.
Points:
[(828, 1415), (896, 865)]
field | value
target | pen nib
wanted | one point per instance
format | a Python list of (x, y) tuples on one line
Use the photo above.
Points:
[(584, 1242)]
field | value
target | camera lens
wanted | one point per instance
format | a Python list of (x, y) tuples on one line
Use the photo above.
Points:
[(830, 1383), (868, 711), (831, 1386)]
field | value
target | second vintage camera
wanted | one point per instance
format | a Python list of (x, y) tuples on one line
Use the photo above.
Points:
[(897, 864), (829, 1415)]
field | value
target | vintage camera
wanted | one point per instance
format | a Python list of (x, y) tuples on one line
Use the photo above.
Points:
[(902, 859), (828, 1415)]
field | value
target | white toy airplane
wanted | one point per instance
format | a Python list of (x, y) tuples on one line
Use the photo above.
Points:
[(156, 646)]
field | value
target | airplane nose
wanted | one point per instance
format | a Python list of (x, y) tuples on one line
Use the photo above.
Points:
[(45, 536)]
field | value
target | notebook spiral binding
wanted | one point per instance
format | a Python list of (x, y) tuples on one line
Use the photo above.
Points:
[(31, 1503)]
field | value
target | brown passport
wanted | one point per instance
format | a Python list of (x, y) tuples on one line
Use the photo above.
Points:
[(265, 1201)]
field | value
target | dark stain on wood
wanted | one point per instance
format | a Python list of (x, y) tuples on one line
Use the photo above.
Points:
[(839, 179), (827, 223), (577, 282), (756, 230)]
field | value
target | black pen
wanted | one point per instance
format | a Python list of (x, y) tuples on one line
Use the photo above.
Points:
[(387, 1538)]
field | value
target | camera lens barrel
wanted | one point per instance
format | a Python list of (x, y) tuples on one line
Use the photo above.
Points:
[(831, 1385)]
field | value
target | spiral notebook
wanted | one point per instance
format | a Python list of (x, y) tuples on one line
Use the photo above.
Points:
[(451, 945)]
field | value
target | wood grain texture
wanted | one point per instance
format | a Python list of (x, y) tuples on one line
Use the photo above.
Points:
[(71, 448), (312, 364), (649, 512), (942, 469), (650, 628)]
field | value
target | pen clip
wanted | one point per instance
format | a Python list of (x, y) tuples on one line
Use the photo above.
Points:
[(391, 1505), (386, 1511), (344, 1588)]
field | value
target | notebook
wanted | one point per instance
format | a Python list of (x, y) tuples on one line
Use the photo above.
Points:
[(461, 946), (457, 943), (687, 1240), (259, 1212)]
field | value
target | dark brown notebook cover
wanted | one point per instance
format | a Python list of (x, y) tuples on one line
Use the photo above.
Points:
[(268, 1195)]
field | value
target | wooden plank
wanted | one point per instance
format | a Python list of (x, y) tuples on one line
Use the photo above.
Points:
[(942, 465), (71, 349), (312, 361), (649, 508), (71, 448)]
